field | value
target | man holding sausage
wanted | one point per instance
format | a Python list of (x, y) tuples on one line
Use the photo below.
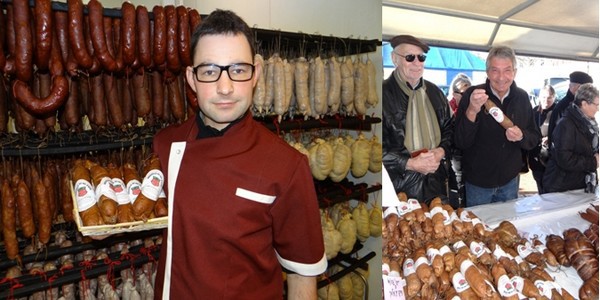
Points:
[(244, 203), (492, 157)]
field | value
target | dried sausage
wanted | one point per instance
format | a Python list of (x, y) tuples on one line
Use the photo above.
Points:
[(175, 100), (173, 62), (126, 100), (84, 194), (143, 29), (65, 196), (9, 221), (2, 40), (61, 31), (43, 33), (183, 33), (24, 40), (128, 37), (141, 94), (24, 208), (150, 189), (3, 107), (43, 213), (158, 95), (98, 101), (159, 52), (107, 202), (98, 37), (112, 100), (71, 108), (96, 67), (195, 19), (46, 105), (76, 34)]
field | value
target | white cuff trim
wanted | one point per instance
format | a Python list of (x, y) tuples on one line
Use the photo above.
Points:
[(304, 269)]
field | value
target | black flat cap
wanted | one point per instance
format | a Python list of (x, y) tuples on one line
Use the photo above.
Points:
[(580, 77), (408, 39)]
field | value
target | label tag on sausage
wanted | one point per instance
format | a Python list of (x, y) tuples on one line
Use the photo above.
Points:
[(84, 194), (408, 267), (120, 191), (152, 184), (134, 188), (105, 188), (505, 287), (459, 282), (544, 287), (497, 114)]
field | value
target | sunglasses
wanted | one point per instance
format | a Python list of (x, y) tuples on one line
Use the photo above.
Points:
[(411, 57)]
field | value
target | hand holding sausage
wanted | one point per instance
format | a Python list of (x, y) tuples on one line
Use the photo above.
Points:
[(514, 134), (477, 99)]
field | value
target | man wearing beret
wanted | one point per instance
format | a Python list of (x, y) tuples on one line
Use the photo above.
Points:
[(417, 125), (576, 79)]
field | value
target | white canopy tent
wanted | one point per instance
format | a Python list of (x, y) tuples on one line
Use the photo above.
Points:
[(545, 28)]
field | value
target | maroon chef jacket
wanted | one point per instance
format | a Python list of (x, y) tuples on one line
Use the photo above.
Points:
[(244, 206)]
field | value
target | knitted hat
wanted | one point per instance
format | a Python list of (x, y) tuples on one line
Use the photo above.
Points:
[(580, 77), (408, 39)]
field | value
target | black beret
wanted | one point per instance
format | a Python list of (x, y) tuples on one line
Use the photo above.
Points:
[(580, 77), (408, 39)]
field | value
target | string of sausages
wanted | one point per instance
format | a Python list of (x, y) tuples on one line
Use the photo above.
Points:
[(60, 68)]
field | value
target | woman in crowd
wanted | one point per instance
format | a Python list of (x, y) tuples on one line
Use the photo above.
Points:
[(574, 152), (459, 85)]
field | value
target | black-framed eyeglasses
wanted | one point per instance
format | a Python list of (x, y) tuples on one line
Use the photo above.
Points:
[(211, 72), (411, 57), (460, 93)]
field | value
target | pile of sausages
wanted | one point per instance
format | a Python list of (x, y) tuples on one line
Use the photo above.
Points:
[(59, 66)]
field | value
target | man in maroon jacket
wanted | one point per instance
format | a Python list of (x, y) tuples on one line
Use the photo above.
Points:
[(244, 205)]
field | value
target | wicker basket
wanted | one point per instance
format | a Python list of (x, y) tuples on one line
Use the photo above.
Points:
[(155, 223)]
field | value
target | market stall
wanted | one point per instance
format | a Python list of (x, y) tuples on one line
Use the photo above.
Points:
[(512, 226)]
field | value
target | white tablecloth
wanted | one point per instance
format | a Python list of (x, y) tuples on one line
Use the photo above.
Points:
[(542, 215)]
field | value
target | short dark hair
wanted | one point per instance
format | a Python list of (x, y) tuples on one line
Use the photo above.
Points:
[(222, 22)]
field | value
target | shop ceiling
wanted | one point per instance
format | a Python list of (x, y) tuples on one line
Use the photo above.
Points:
[(546, 28)]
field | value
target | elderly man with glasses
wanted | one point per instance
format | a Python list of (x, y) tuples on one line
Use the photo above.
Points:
[(417, 125)]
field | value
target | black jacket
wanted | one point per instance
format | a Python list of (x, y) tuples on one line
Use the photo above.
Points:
[(534, 154), (395, 155), (558, 112), (571, 155), (489, 160)]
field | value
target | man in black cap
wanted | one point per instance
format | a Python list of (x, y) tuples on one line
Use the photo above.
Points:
[(417, 125), (576, 79)]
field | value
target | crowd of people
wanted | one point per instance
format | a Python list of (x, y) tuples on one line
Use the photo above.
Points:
[(487, 134)]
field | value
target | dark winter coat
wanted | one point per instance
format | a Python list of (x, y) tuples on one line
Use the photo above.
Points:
[(571, 155), (489, 159), (395, 155)]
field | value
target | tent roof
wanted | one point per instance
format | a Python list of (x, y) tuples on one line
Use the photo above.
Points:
[(443, 59), (548, 28)]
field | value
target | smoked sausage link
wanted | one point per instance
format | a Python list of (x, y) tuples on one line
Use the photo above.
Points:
[(76, 32), (46, 105)]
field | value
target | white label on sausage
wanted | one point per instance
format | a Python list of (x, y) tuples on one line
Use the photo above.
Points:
[(505, 287), (105, 188), (120, 191), (459, 282), (497, 114), (152, 184), (134, 188), (84, 194), (408, 267), (403, 208), (544, 288)]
